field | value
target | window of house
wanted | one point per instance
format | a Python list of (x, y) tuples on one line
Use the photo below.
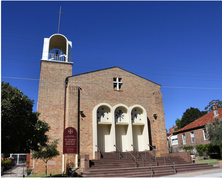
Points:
[(192, 137), (174, 140), (184, 139), (117, 83), (205, 134)]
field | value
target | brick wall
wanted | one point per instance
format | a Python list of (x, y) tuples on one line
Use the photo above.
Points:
[(51, 106), (97, 87), (198, 135)]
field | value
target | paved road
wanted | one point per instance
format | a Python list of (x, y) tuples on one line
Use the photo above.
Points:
[(16, 171)]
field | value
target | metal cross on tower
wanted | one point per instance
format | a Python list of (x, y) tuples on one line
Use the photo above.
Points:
[(59, 17)]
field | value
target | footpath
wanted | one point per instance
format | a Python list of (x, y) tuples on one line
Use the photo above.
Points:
[(17, 171), (211, 173)]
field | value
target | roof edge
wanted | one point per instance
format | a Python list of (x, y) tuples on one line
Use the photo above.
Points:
[(198, 127), (115, 67)]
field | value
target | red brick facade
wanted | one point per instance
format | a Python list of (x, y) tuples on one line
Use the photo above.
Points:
[(196, 127), (198, 137), (58, 100)]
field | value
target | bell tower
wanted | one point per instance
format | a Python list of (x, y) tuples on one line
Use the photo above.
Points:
[(56, 66), (57, 48)]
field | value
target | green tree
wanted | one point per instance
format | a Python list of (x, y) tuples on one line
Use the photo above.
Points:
[(20, 127), (46, 153), (178, 124), (214, 133), (191, 115), (209, 106)]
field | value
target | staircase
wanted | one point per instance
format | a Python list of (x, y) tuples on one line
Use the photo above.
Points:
[(132, 166)]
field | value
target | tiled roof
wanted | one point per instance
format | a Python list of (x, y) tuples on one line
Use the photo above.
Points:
[(168, 134), (171, 130), (202, 121)]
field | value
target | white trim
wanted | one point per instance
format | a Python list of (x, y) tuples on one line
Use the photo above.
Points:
[(129, 125), (142, 139), (192, 137), (94, 120), (204, 134), (174, 137), (145, 123), (117, 82), (184, 136), (46, 44)]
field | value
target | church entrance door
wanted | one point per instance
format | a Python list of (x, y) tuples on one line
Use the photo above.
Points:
[(103, 137), (138, 138), (121, 137)]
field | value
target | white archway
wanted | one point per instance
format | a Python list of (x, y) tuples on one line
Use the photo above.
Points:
[(102, 128), (121, 126), (122, 137), (140, 134)]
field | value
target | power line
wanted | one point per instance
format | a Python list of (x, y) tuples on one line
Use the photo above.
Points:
[(111, 84), (20, 60), (121, 65), (136, 72), (127, 60), (126, 49), (19, 64), (22, 35), (22, 40), (21, 48)]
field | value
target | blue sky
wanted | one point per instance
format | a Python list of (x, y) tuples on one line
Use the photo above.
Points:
[(175, 44)]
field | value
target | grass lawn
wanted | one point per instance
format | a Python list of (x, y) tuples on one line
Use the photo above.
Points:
[(48, 175), (209, 161)]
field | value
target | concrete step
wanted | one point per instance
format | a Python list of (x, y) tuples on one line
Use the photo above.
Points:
[(111, 166)]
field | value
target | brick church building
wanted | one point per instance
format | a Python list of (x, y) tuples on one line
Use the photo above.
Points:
[(109, 108)]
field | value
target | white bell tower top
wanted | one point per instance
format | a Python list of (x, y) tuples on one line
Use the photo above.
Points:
[(57, 48)]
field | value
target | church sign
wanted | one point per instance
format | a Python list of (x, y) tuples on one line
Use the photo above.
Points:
[(70, 141)]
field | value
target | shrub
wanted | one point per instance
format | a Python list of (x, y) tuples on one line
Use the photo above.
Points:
[(8, 162), (203, 150), (186, 148), (2, 163), (27, 162), (28, 170)]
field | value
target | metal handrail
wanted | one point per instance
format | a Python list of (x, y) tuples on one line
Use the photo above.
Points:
[(74, 167), (171, 161), (153, 155), (136, 150), (99, 152), (152, 148), (150, 165), (132, 156), (79, 163), (118, 150)]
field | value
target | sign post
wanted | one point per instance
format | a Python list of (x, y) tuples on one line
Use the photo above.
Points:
[(70, 141)]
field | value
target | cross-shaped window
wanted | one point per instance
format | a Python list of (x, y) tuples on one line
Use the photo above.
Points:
[(117, 83)]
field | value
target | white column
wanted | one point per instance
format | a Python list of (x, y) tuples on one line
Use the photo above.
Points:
[(63, 163), (76, 161)]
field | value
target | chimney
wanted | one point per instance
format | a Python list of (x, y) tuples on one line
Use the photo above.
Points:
[(215, 110)]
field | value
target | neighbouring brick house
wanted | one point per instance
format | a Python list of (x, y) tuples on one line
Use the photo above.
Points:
[(195, 132), (171, 130), (107, 107)]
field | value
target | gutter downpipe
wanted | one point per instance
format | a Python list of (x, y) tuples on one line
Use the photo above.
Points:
[(63, 155), (78, 110)]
